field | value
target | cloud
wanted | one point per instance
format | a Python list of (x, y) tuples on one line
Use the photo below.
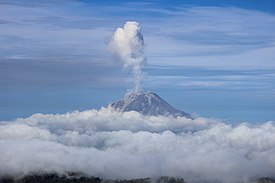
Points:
[(127, 44), (194, 36), (110, 144)]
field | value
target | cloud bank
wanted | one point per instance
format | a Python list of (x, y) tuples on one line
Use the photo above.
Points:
[(127, 44), (128, 145)]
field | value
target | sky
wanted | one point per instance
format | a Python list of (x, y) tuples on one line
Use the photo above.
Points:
[(211, 58)]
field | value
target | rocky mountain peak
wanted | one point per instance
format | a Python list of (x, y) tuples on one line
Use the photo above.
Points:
[(147, 103)]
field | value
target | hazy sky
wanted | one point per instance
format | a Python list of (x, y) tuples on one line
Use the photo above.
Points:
[(214, 58)]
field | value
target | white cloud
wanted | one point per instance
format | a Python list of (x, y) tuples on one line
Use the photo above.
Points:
[(128, 45), (110, 144), (194, 36)]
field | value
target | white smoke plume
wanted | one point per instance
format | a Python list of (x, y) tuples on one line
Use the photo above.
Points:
[(128, 45), (110, 144)]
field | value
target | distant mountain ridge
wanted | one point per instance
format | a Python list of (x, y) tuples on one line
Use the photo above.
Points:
[(147, 103), (78, 178)]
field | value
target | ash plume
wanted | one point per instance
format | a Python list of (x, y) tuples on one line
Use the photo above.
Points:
[(127, 45)]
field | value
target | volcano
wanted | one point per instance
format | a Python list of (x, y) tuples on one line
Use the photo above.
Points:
[(147, 103)]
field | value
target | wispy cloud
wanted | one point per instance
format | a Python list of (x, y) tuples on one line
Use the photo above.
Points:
[(215, 79)]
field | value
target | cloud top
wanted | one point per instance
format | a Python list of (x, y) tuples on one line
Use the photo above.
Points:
[(128, 45), (128, 145)]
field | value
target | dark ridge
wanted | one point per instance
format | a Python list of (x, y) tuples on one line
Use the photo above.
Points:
[(80, 178), (55, 178), (265, 180), (52, 178)]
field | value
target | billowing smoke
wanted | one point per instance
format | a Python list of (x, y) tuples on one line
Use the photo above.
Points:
[(127, 44), (110, 144)]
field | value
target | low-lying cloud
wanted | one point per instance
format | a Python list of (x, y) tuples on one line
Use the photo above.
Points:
[(128, 145)]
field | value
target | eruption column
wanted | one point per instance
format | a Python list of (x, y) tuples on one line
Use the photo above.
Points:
[(128, 45)]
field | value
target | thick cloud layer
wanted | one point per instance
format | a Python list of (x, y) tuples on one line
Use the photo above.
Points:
[(127, 44), (110, 144)]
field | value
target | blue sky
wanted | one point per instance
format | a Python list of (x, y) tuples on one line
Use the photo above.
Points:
[(212, 58)]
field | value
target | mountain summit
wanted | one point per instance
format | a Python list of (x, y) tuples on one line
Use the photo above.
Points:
[(148, 104)]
